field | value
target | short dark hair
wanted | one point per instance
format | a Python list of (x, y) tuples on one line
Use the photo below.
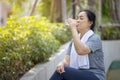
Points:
[(91, 16)]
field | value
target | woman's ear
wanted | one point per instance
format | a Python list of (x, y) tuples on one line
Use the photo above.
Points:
[(90, 23)]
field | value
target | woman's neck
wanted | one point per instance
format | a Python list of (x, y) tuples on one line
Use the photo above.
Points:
[(83, 32)]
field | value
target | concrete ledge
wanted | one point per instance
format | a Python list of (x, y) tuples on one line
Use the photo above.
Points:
[(45, 70)]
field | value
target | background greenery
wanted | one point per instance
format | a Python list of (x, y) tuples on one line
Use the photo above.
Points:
[(27, 41), (110, 33)]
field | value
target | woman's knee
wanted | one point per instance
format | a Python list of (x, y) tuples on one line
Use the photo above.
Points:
[(69, 69)]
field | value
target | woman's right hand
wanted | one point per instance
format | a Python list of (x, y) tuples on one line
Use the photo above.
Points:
[(73, 23), (60, 68)]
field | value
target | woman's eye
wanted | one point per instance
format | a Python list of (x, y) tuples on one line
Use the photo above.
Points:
[(81, 18)]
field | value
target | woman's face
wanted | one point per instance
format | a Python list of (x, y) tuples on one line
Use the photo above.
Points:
[(84, 21)]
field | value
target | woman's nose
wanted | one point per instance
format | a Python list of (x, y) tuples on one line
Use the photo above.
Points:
[(78, 21)]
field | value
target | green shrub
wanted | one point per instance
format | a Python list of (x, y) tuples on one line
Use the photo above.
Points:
[(110, 33), (27, 41)]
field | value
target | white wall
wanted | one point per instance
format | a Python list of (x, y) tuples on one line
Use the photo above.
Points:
[(111, 52)]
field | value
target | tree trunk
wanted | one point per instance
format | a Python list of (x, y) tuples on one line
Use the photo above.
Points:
[(73, 9), (115, 10), (99, 12), (52, 11), (33, 7), (117, 7), (91, 5), (58, 10), (5, 11), (64, 16)]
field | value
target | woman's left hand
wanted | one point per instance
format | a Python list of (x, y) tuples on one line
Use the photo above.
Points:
[(60, 68)]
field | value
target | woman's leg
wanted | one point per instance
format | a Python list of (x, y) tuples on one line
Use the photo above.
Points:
[(56, 76), (75, 74)]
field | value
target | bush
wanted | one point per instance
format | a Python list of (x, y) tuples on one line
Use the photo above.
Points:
[(110, 33), (27, 42)]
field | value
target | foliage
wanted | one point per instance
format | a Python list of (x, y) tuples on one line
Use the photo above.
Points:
[(68, 2), (105, 14), (105, 8), (110, 33), (27, 41), (44, 7)]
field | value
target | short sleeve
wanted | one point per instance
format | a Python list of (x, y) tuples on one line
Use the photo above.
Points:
[(94, 43), (69, 48)]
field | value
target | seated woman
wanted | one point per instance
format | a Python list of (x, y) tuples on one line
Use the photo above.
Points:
[(84, 58)]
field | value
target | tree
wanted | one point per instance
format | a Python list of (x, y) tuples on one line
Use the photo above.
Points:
[(57, 11), (115, 10), (33, 7), (111, 8), (52, 11), (5, 11), (91, 5)]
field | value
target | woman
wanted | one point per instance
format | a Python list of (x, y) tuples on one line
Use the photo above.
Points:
[(84, 58)]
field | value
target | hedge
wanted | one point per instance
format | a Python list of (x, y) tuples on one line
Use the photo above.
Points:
[(110, 33), (27, 41)]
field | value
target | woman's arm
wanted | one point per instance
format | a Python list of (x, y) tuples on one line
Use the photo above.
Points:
[(66, 60), (81, 48)]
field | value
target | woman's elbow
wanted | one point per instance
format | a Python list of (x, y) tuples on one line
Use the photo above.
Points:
[(83, 51)]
